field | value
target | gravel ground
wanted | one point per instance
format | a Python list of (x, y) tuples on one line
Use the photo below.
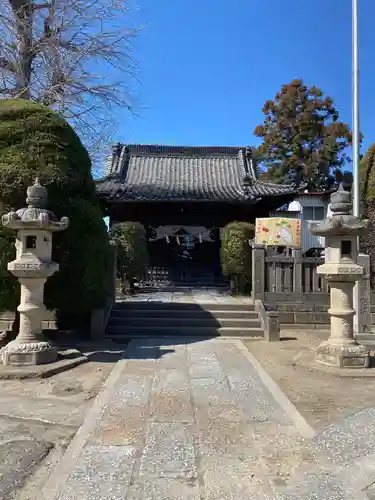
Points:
[(38, 419), (322, 398)]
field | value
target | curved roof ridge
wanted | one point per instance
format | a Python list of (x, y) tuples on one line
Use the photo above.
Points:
[(171, 150)]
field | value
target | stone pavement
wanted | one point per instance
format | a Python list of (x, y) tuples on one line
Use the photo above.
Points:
[(188, 295), (199, 420)]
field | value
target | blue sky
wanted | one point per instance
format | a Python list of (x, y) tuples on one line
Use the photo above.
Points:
[(207, 66)]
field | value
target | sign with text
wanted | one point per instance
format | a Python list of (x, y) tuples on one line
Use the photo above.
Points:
[(278, 231)]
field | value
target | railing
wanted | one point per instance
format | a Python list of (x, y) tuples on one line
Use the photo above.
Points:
[(283, 275)]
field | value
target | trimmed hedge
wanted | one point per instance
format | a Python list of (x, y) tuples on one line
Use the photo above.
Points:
[(235, 254), (35, 141), (82, 252)]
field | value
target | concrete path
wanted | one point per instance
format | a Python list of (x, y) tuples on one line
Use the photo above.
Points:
[(192, 421)]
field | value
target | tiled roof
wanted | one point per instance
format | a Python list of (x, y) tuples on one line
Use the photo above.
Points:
[(148, 173)]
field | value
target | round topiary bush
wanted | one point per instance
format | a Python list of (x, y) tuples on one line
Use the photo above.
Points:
[(35, 141), (132, 252), (235, 255)]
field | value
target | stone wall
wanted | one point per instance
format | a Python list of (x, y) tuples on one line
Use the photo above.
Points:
[(311, 316)]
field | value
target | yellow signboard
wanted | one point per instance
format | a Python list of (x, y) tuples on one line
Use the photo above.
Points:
[(278, 231)]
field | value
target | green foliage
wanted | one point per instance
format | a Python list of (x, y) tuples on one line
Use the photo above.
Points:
[(303, 139), (235, 250), (132, 255), (367, 175), (367, 179), (9, 286), (82, 252), (36, 141)]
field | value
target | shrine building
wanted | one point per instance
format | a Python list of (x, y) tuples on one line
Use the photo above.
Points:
[(183, 196)]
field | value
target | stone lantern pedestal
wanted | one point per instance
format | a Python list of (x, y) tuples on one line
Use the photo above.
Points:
[(341, 231), (33, 266)]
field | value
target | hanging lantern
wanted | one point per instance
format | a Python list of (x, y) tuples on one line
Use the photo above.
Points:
[(167, 238), (178, 240), (200, 238)]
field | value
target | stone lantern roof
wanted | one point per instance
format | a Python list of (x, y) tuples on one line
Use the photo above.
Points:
[(341, 221), (35, 215)]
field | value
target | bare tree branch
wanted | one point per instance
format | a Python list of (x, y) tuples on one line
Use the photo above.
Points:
[(71, 55)]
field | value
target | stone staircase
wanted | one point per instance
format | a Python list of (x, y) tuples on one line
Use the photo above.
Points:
[(135, 319)]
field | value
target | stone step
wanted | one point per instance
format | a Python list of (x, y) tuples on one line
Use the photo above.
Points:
[(124, 314), (125, 332), (176, 322), (186, 284), (173, 306)]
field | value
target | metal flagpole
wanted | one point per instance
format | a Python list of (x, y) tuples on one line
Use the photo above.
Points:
[(356, 195)]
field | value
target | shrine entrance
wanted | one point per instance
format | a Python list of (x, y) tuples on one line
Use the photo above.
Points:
[(189, 254)]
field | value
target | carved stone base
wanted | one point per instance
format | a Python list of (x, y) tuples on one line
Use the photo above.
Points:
[(343, 356), (38, 353)]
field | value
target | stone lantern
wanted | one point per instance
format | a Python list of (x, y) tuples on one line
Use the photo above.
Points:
[(341, 230), (33, 266)]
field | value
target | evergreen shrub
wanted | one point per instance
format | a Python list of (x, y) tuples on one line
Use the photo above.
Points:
[(36, 141), (132, 252), (236, 256)]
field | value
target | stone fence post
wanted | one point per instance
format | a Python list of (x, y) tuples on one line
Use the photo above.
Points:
[(258, 272), (364, 319), (99, 317), (113, 269)]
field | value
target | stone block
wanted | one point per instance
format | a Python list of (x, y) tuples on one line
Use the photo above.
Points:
[(97, 325), (320, 318), (303, 317), (321, 307), (169, 452), (286, 317), (7, 315), (164, 489), (343, 356), (272, 330), (300, 326), (304, 308), (5, 325), (285, 308), (28, 358)]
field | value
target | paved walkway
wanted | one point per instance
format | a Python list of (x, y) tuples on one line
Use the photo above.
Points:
[(193, 421), (188, 295)]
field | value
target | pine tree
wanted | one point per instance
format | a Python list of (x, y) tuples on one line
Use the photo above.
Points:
[(303, 140)]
